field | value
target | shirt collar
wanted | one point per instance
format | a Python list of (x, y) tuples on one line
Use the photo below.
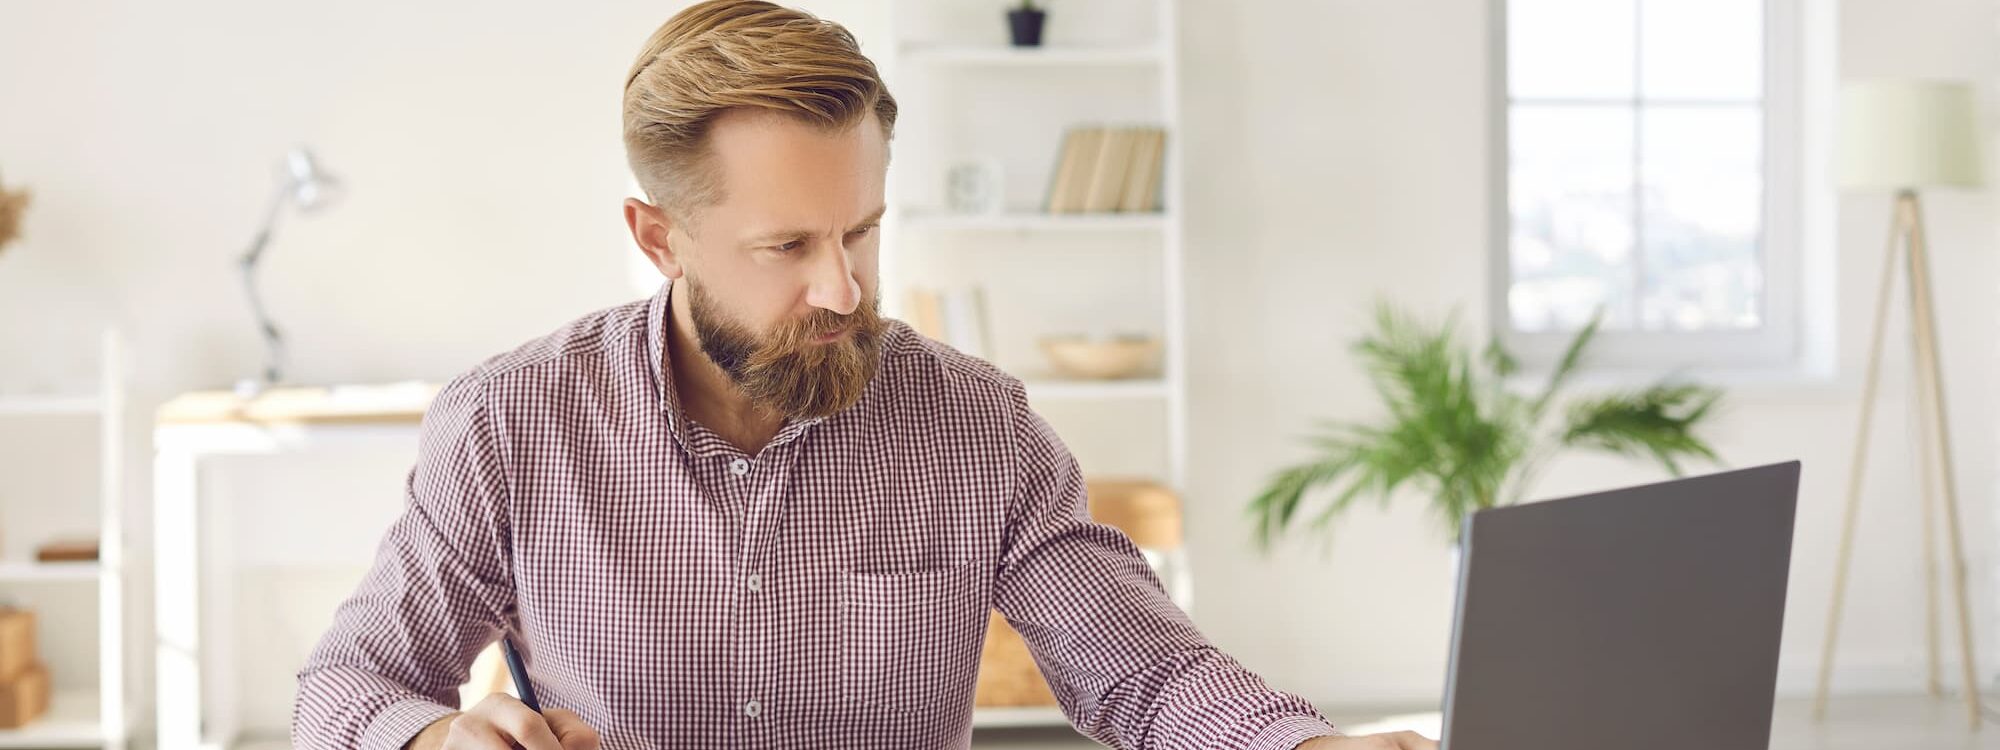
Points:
[(656, 358)]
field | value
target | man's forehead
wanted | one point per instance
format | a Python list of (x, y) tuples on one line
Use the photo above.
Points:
[(747, 137), (761, 193)]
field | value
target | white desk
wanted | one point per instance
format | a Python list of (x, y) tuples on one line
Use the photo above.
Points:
[(187, 431)]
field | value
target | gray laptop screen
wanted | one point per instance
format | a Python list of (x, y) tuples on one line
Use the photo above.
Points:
[(1645, 618)]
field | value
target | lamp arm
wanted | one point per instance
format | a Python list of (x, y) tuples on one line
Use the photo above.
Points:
[(247, 265)]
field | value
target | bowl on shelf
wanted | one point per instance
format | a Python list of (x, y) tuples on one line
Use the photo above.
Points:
[(1101, 358)]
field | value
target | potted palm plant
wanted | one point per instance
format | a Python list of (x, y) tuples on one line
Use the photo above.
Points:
[(1459, 435)]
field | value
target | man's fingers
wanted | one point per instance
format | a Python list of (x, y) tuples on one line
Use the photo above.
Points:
[(516, 722), (1412, 741), (570, 729), (529, 729), (470, 732)]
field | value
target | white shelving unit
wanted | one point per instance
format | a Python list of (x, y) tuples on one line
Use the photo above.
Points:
[(74, 720), (88, 717), (1056, 57), (44, 405), (1100, 64), (22, 571), (1030, 221), (1049, 389)]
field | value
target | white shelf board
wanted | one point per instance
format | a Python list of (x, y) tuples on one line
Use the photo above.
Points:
[(71, 721), (1036, 221), (1055, 388), (1026, 716), (29, 570), (21, 404), (996, 55)]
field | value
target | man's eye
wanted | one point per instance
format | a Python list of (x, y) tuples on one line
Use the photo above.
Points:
[(863, 231), (789, 246)]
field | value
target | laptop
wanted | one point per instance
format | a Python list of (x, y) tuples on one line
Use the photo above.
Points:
[(1645, 618)]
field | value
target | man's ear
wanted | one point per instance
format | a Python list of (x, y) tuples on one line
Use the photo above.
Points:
[(651, 227)]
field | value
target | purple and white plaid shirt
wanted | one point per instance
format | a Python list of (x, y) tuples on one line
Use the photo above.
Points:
[(829, 592)]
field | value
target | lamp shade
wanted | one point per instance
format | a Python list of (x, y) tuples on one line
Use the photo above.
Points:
[(1900, 134), (309, 184)]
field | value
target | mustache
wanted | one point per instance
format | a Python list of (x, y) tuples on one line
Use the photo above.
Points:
[(821, 322)]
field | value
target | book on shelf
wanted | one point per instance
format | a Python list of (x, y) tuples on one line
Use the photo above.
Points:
[(1142, 186), (1065, 187), (955, 317), (1107, 170), (1107, 176)]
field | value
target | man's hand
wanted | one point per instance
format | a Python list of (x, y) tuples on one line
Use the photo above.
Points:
[(1391, 741), (503, 722)]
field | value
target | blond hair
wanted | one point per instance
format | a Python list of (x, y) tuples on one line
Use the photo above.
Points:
[(723, 54)]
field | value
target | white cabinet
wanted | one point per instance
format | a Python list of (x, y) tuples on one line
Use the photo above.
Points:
[(86, 711)]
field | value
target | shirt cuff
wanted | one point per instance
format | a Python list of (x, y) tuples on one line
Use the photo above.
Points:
[(1287, 732), (400, 722)]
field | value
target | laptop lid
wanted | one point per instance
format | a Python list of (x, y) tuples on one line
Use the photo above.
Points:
[(1645, 618)]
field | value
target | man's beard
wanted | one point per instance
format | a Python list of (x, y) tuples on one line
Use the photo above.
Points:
[(786, 372)]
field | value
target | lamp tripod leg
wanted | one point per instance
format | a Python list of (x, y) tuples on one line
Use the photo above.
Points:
[(1924, 317), (1857, 469)]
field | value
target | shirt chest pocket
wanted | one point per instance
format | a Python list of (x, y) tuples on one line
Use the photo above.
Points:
[(910, 640)]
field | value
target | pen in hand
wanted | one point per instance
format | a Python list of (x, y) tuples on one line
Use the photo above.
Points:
[(498, 717), (520, 672)]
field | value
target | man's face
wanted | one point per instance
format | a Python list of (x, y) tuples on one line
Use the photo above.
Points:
[(782, 274)]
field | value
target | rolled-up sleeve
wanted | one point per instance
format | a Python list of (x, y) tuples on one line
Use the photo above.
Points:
[(437, 593), (1128, 667)]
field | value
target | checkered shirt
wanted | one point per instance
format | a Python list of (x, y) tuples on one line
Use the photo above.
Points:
[(830, 591)]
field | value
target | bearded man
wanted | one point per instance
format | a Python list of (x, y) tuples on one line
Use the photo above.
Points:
[(748, 512)]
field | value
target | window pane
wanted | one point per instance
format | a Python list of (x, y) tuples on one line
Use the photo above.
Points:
[(1702, 49), (1703, 191), (1571, 48), (1570, 196)]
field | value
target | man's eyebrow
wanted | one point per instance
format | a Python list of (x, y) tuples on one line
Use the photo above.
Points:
[(787, 235)]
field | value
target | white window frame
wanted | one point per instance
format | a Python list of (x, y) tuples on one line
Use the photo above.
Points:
[(1776, 344)]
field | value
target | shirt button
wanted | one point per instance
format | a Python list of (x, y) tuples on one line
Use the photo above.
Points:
[(752, 709), (740, 467), (756, 582)]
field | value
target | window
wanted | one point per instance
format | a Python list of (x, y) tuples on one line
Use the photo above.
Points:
[(1647, 170)]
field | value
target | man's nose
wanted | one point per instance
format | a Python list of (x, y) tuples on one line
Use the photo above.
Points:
[(833, 286)]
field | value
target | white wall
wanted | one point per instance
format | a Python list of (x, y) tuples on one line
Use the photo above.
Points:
[(1336, 153), (480, 143), (1340, 153)]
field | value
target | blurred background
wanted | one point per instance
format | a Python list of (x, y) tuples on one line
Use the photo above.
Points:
[(1173, 218)]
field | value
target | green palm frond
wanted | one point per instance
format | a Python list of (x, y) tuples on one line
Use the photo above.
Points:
[(1499, 360), (1362, 465), (1454, 432), (1565, 367), (1449, 432), (1658, 422)]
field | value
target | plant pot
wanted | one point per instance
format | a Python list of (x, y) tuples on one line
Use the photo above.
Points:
[(1024, 25)]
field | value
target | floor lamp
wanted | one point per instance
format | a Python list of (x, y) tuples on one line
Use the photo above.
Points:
[(1903, 135)]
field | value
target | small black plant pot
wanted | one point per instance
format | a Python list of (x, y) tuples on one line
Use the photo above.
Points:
[(1025, 26)]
